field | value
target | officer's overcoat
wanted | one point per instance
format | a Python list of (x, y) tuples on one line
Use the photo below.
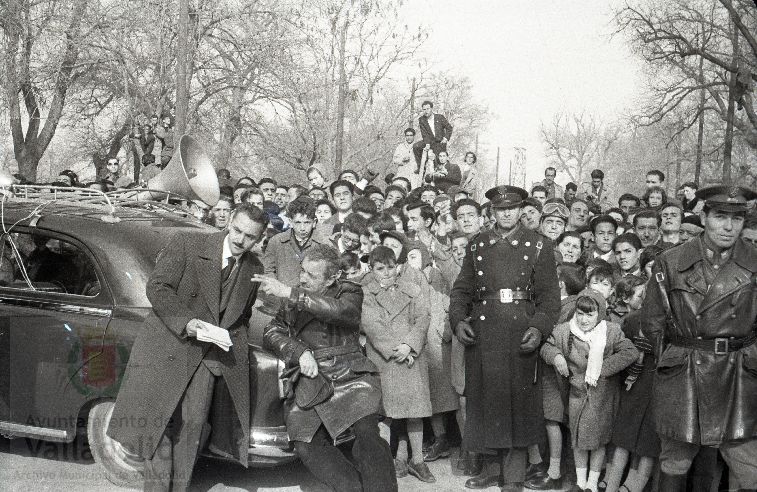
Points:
[(504, 402)]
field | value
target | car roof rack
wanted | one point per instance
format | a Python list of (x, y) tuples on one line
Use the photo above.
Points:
[(151, 200), (146, 199)]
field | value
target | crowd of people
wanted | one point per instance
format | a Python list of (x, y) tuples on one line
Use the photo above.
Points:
[(608, 329)]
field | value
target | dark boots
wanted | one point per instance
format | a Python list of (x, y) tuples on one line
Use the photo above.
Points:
[(491, 474)]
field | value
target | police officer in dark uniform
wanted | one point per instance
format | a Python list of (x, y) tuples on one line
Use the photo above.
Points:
[(505, 300), (702, 315)]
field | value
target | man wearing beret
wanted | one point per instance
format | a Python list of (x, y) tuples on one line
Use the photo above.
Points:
[(505, 300), (691, 226), (702, 316)]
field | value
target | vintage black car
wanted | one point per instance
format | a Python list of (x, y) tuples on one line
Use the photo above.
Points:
[(72, 300)]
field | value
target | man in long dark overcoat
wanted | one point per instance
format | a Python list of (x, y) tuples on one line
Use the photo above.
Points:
[(505, 300), (162, 408), (702, 310)]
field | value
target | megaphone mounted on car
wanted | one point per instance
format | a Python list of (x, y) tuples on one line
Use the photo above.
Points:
[(189, 173)]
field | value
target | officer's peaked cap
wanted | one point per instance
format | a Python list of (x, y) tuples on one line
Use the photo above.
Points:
[(506, 196), (727, 198)]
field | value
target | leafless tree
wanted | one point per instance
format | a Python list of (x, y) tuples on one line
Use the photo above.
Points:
[(701, 59), (42, 42), (574, 142)]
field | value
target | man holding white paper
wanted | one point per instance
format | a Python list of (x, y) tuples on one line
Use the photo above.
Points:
[(201, 296), (207, 332)]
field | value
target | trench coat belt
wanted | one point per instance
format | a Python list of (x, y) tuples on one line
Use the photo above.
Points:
[(328, 352), (514, 295), (717, 345)]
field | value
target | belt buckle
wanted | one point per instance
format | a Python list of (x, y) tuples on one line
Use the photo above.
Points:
[(721, 342), (505, 296)]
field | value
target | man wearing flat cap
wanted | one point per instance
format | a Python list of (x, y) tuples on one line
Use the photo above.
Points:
[(702, 316), (505, 300)]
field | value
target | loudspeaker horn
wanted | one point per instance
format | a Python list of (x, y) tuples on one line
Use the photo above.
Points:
[(189, 174)]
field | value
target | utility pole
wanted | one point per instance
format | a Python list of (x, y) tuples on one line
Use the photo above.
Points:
[(411, 118), (182, 91), (341, 97), (496, 177)]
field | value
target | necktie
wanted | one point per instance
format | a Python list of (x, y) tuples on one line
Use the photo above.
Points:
[(226, 272)]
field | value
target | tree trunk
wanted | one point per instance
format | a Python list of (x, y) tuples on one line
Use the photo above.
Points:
[(700, 139), (728, 145), (232, 127), (341, 98), (29, 148), (679, 159), (182, 58), (700, 125), (136, 158)]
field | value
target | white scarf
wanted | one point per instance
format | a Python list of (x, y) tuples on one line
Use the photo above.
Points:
[(597, 339)]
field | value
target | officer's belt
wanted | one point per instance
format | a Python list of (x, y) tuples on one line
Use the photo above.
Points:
[(718, 345), (511, 295), (329, 352)]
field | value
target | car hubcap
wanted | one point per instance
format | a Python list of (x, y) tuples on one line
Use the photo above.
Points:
[(121, 455)]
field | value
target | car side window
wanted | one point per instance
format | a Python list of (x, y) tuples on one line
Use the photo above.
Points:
[(36, 261)]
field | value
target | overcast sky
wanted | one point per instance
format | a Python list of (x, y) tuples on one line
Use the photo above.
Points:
[(528, 59)]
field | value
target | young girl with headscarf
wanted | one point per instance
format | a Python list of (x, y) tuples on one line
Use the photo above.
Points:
[(591, 353)]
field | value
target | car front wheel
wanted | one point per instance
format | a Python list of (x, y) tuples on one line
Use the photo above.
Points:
[(122, 467)]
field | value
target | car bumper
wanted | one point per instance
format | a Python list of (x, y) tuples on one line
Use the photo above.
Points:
[(269, 446), (270, 441)]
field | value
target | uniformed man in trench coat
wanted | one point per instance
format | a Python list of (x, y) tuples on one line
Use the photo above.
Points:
[(162, 408), (504, 302), (702, 310)]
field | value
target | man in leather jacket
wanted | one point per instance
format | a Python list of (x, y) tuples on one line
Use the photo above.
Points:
[(317, 330), (702, 315)]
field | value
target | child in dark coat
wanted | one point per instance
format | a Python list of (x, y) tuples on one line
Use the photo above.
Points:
[(633, 428)]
